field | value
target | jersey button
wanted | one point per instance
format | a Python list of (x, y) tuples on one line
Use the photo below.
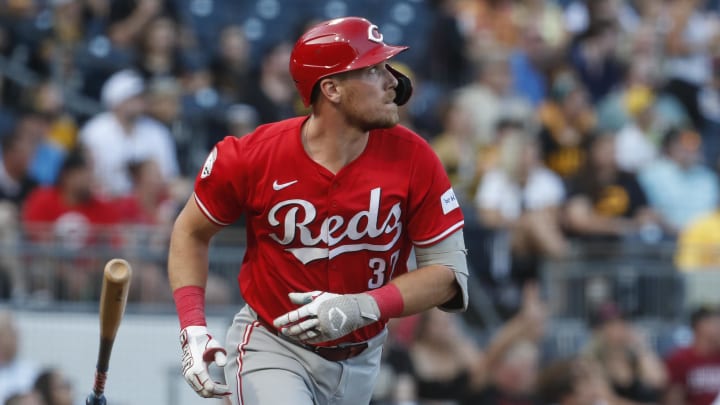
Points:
[(333, 204)]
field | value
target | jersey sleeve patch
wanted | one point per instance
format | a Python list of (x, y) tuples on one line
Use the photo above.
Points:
[(448, 201)]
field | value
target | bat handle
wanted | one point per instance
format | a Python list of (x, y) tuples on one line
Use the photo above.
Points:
[(99, 387), (93, 399)]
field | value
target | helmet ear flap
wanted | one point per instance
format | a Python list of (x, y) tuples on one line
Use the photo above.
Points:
[(403, 91)]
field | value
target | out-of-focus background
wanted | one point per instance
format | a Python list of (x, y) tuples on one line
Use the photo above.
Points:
[(582, 138)]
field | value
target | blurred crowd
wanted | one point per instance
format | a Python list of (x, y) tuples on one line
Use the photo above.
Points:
[(22, 381), (561, 123), (431, 361)]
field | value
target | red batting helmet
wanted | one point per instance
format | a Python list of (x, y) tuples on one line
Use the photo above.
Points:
[(336, 46)]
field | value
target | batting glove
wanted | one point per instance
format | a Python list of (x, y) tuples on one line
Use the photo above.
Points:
[(199, 351), (326, 316)]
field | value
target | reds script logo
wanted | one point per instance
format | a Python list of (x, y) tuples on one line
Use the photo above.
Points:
[(340, 236)]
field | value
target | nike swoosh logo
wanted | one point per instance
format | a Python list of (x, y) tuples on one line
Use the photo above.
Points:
[(277, 186)]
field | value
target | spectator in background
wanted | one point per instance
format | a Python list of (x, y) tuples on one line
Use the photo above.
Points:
[(520, 200), (231, 66), (528, 65), (163, 101), (457, 150), (677, 185), (709, 104), (606, 203), (633, 370), (59, 133), (149, 202), (512, 357), (575, 381), (128, 19), (158, 49), (70, 208), (545, 19), (447, 62), (490, 96), (54, 387), (241, 119), (165, 104), (695, 370), (16, 183), (446, 364), (643, 72), (698, 245), (566, 119), (594, 59), (72, 216), (16, 374), (494, 24), (694, 35), (124, 134), (637, 141), (272, 90), (18, 148), (25, 398), (396, 382), (49, 102), (522, 196)]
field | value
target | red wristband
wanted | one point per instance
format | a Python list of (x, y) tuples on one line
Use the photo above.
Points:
[(190, 305), (389, 301)]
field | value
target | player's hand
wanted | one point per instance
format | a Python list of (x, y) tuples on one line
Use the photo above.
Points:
[(199, 351), (326, 316)]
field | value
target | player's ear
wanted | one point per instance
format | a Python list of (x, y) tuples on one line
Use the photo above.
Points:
[(329, 87)]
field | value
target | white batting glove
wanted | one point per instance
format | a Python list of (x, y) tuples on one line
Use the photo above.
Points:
[(326, 316), (199, 351)]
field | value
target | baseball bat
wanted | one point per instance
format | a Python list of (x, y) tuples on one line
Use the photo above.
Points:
[(113, 298)]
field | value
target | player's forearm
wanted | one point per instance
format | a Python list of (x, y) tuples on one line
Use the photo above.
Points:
[(188, 264), (189, 242), (188, 260), (425, 288)]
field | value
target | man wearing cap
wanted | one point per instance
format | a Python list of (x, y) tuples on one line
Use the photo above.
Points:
[(334, 202), (123, 134)]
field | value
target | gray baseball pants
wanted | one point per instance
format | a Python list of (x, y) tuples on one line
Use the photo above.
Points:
[(265, 369)]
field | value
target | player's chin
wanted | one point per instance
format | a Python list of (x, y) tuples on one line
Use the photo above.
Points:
[(386, 121), (390, 116)]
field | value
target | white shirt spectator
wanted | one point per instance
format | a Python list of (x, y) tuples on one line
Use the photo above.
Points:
[(16, 377), (633, 148), (694, 67), (112, 150), (499, 192)]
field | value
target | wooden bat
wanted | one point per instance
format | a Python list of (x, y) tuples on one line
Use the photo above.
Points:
[(113, 298)]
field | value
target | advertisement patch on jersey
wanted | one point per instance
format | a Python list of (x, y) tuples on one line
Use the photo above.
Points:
[(207, 168), (448, 201)]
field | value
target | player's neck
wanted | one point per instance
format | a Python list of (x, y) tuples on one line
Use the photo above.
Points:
[(332, 144)]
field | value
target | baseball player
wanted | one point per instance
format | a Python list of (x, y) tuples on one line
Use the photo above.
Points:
[(334, 203)]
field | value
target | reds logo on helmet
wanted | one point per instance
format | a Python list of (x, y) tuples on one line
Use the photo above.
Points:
[(374, 34), (340, 236), (336, 46)]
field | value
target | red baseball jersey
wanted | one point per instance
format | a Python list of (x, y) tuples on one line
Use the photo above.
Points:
[(699, 375), (309, 229)]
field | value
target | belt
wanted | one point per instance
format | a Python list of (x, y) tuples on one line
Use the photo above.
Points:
[(330, 353)]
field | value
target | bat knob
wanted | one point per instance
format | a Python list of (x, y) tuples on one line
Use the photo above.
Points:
[(93, 399)]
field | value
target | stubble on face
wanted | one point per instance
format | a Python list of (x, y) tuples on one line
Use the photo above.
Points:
[(365, 113)]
